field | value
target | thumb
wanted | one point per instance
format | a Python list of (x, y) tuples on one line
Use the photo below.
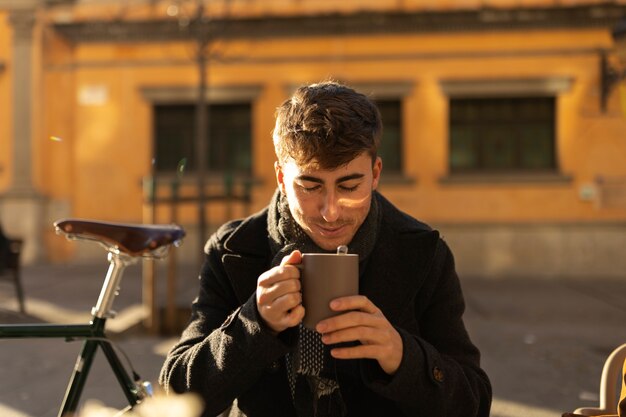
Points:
[(293, 258)]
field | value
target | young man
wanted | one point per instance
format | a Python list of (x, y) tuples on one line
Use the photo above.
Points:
[(399, 348)]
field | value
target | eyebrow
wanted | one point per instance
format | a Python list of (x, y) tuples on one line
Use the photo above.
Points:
[(339, 180)]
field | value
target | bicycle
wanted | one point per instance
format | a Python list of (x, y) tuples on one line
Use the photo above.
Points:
[(125, 244)]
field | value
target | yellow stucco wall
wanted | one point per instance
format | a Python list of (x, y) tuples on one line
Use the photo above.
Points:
[(109, 144), (93, 139)]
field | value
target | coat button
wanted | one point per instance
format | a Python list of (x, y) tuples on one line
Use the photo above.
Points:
[(438, 374), (275, 366)]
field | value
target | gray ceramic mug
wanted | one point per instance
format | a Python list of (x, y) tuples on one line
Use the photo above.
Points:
[(324, 277)]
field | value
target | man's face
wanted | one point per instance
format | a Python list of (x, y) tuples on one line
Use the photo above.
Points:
[(329, 205)]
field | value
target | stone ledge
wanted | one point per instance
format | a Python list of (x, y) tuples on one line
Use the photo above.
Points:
[(550, 250)]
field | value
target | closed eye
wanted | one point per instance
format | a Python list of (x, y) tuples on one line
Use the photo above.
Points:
[(310, 189), (348, 189)]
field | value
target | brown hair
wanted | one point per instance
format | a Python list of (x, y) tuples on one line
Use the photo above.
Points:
[(326, 124)]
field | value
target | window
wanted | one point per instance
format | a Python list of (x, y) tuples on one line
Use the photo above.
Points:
[(229, 147), (389, 97), (502, 134), (390, 149)]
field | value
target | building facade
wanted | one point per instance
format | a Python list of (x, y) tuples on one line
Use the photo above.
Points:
[(500, 129)]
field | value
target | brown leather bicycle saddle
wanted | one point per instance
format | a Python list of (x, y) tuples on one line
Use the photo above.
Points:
[(132, 239)]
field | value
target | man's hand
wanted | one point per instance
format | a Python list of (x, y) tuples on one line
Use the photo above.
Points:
[(278, 295), (367, 324)]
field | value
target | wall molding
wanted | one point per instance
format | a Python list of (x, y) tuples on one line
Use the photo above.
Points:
[(336, 24), (543, 86), (188, 94)]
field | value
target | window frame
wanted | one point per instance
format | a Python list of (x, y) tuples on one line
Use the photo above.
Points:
[(506, 88), (482, 128), (388, 91), (214, 154), (186, 95)]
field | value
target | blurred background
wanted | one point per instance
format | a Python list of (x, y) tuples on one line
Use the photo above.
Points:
[(505, 124)]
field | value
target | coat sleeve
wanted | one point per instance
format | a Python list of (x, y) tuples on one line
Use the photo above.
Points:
[(226, 346), (440, 371)]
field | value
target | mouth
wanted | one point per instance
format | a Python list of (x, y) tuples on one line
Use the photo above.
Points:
[(331, 231)]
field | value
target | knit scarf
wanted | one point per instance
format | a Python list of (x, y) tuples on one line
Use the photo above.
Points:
[(311, 369)]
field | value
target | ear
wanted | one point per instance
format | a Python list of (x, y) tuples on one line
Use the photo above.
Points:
[(280, 176), (376, 170)]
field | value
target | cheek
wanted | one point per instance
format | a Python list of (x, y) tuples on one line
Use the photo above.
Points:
[(298, 204), (356, 202), (308, 207), (360, 211)]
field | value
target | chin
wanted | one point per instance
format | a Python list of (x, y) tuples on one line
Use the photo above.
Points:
[(330, 245)]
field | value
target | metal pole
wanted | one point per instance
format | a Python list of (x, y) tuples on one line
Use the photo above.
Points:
[(202, 120), (171, 309), (149, 282)]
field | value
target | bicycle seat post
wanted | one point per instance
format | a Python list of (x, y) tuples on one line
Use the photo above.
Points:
[(117, 263)]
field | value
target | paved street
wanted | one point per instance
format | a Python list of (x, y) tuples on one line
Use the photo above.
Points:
[(543, 341)]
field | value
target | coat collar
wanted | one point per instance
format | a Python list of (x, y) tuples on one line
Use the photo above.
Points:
[(249, 236), (247, 253)]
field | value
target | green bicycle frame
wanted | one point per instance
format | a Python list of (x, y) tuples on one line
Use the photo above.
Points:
[(94, 337)]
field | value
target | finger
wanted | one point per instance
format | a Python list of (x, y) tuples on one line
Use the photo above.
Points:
[(287, 302), (350, 319), (358, 352), (354, 302), (388, 355), (279, 314), (294, 316), (281, 309), (277, 274), (268, 295), (293, 258), (288, 319), (364, 334)]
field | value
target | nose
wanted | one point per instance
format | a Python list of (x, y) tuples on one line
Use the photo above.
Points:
[(330, 207)]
